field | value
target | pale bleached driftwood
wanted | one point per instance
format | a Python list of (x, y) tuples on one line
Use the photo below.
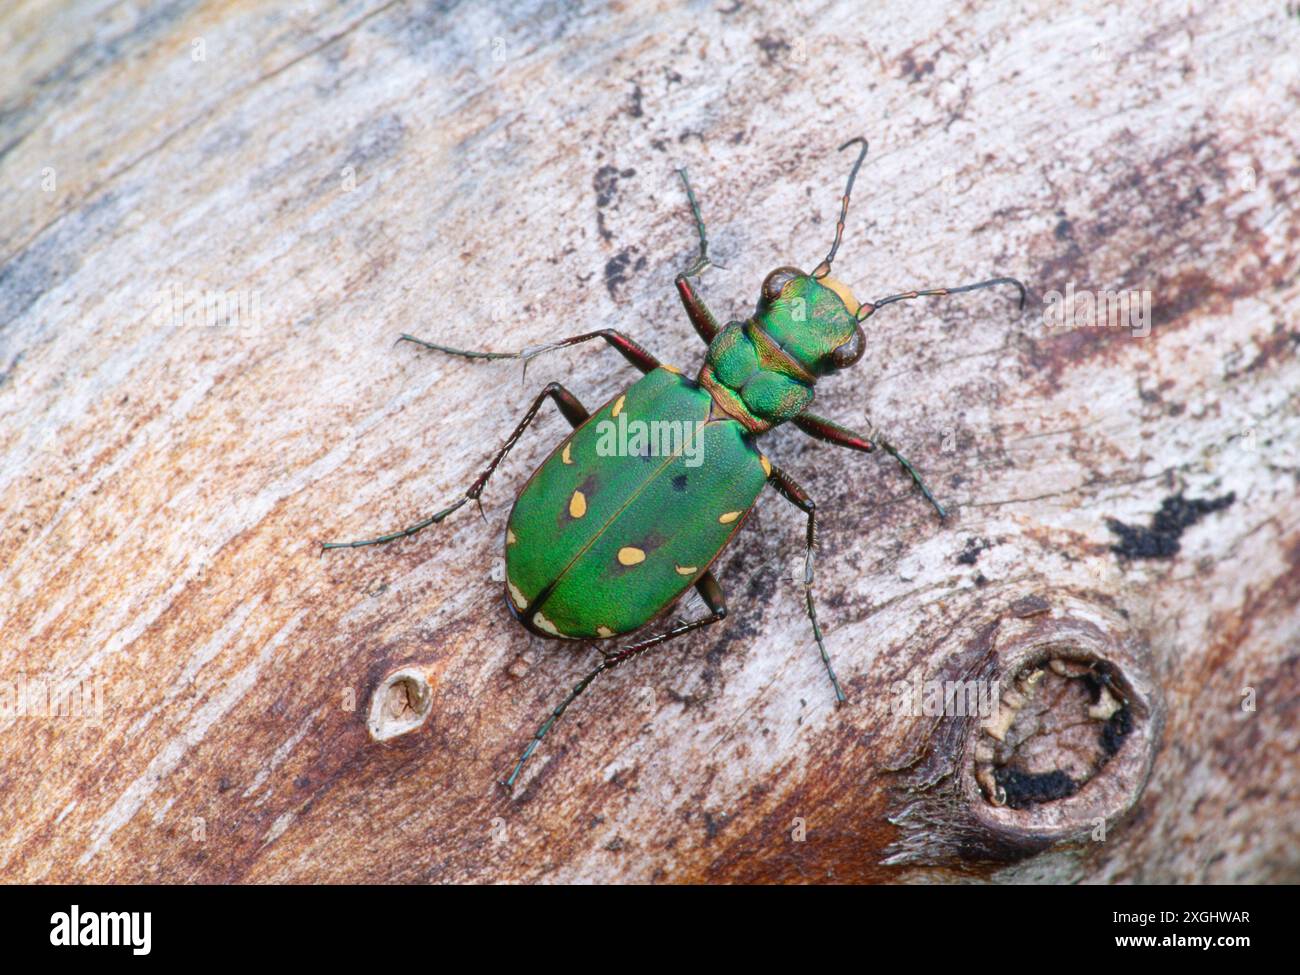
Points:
[(502, 175)]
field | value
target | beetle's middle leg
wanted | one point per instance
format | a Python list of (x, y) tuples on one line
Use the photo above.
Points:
[(709, 591), (797, 496), (568, 404), (831, 432), (629, 349)]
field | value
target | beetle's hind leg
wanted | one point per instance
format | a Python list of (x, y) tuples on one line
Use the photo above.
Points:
[(797, 496), (568, 404), (629, 349), (711, 593)]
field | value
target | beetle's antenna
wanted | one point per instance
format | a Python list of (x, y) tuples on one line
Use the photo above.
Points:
[(869, 307), (824, 268)]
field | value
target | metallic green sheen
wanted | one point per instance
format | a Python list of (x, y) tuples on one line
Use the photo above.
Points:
[(806, 322), (809, 321), (568, 568)]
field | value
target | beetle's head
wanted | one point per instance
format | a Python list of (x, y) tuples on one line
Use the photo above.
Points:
[(814, 319)]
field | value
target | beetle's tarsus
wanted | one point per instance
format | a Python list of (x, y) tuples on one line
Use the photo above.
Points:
[(702, 261), (797, 496), (407, 532), (449, 350), (821, 645), (700, 265)]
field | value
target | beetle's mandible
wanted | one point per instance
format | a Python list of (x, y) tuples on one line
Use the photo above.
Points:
[(601, 543)]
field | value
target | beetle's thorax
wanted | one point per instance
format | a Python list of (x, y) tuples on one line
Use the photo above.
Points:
[(753, 379), (762, 371)]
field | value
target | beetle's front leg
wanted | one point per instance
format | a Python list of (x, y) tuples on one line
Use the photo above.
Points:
[(705, 324), (797, 496), (630, 351), (568, 404), (831, 432)]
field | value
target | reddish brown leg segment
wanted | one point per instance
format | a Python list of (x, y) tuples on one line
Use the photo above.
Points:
[(705, 324)]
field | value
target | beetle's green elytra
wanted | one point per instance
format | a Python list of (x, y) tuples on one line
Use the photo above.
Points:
[(614, 527), (601, 543)]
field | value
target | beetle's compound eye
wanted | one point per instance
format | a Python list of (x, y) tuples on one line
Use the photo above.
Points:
[(851, 351), (777, 280)]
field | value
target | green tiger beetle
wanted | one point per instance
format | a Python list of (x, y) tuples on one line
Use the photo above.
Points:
[(600, 544)]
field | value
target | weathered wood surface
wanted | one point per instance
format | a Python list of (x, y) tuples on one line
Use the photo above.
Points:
[(502, 175)]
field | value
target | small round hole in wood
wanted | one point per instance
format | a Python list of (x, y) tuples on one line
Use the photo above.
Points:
[(400, 704)]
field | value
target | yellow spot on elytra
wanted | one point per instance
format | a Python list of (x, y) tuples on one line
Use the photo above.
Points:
[(542, 623), (510, 537), (728, 518), (672, 369), (630, 555), (516, 597), (577, 505), (767, 465), (686, 570), (604, 631), (565, 455), (618, 406)]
